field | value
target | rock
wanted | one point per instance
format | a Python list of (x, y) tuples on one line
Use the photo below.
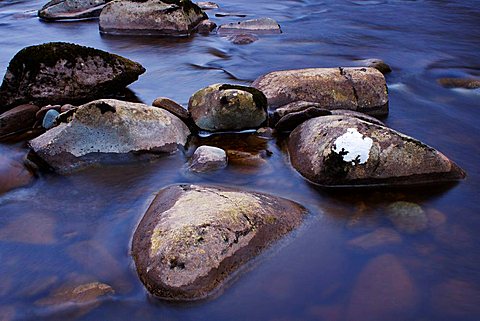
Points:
[(356, 114), (180, 256), (292, 107), (223, 107), (290, 121), (378, 64), (18, 119), (456, 299), (56, 73), (174, 108), (359, 89), (80, 294), (208, 158), (207, 5), (104, 128), (258, 26), (71, 9), (381, 237), (346, 151), (13, 173), (435, 218), (67, 107), (407, 217), (230, 14), (30, 228), (243, 38), (466, 83), (266, 132), (41, 113), (247, 158), (49, 119), (150, 17), (206, 26), (384, 290)]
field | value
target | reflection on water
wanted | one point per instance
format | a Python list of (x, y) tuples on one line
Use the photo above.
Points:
[(77, 229)]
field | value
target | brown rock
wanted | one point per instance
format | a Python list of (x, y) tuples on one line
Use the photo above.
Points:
[(359, 89), (384, 290), (79, 294), (41, 113), (13, 173), (456, 299), (174, 108), (378, 64), (292, 107), (30, 228), (356, 114), (243, 39), (435, 218), (291, 120), (381, 237), (18, 119), (407, 217), (466, 83), (206, 26), (180, 256)]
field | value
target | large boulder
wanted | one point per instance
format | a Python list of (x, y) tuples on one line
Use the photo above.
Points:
[(104, 128), (151, 17), (71, 9), (359, 89), (58, 72), (193, 238), (339, 150), (223, 107)]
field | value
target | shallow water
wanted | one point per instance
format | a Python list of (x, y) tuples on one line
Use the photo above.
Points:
[(78, 228)]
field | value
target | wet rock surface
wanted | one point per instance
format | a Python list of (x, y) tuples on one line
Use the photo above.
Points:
[(18, 119), (243, 39), (376, 63), (208, 158), (290, 121), (206, 26), (344, 151), (379, 238), (174, 108), (359, 89), (407, 217), (64, 73), (466, 83), (223, 107), (207, 5), (181, 256), (13, 173), (258, 26), (108, 127), (80, 294), (151, 17), (71, 9)]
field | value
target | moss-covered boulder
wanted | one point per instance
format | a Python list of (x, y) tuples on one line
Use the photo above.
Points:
[(223, 107), (339, 150), (71, 9), (193, 238), (151, 17), (58, 72)]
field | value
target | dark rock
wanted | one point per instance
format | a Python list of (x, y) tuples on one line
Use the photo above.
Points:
[(356, 114), (466, 83), (151, 17), (381, 237), (258, 26), (206, 26), (292, 107), (108, 127), (407, 217), (208, 158), (41, 113), (50, 118), (173, 107), (359, 89), (346, 151), (13, 173), (181, 256), (207, 5), (223, 107), (290, 121), (71, 9), (230, 14), (56, 73), (378, 64), (243, 39), (18, 119)]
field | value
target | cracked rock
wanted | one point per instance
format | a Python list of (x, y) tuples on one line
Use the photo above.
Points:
[(193, 238)]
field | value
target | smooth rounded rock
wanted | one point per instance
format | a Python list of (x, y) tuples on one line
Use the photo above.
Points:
[(104, 128), (58, 72), (407, 217), (194, 238), (71, 9), (359, 89), (206, 26), (49, 119), (339, 150), (223, 107), (150, 17), (243, 39), (208, 158)]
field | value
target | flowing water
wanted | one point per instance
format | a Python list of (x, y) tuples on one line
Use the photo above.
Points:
[(71, 229)]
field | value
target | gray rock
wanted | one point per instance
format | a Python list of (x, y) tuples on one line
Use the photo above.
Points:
[(49, 119), (466, 83), (18, 119), (104, 128), (243, 39), (346, 151), (359, 89), (207, 5), (208, 158), (151, 17), (193, 238), (72, 9), (407, 217), (258, 26), (56, 73), (378, 64), (223, 107), (206, 26), (291, 120)]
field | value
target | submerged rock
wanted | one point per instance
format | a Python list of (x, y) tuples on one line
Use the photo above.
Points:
[(72, 9), (258, 26), (407, 217), (208, 158), (13, 173), (359, 89), (193, 238), (243, 38), (466, 83), (107, 127), (58, 72), (80, 294), (151, 17), (18, 119), (344, 151), (381, 237), (223, 107), (378, 64)]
